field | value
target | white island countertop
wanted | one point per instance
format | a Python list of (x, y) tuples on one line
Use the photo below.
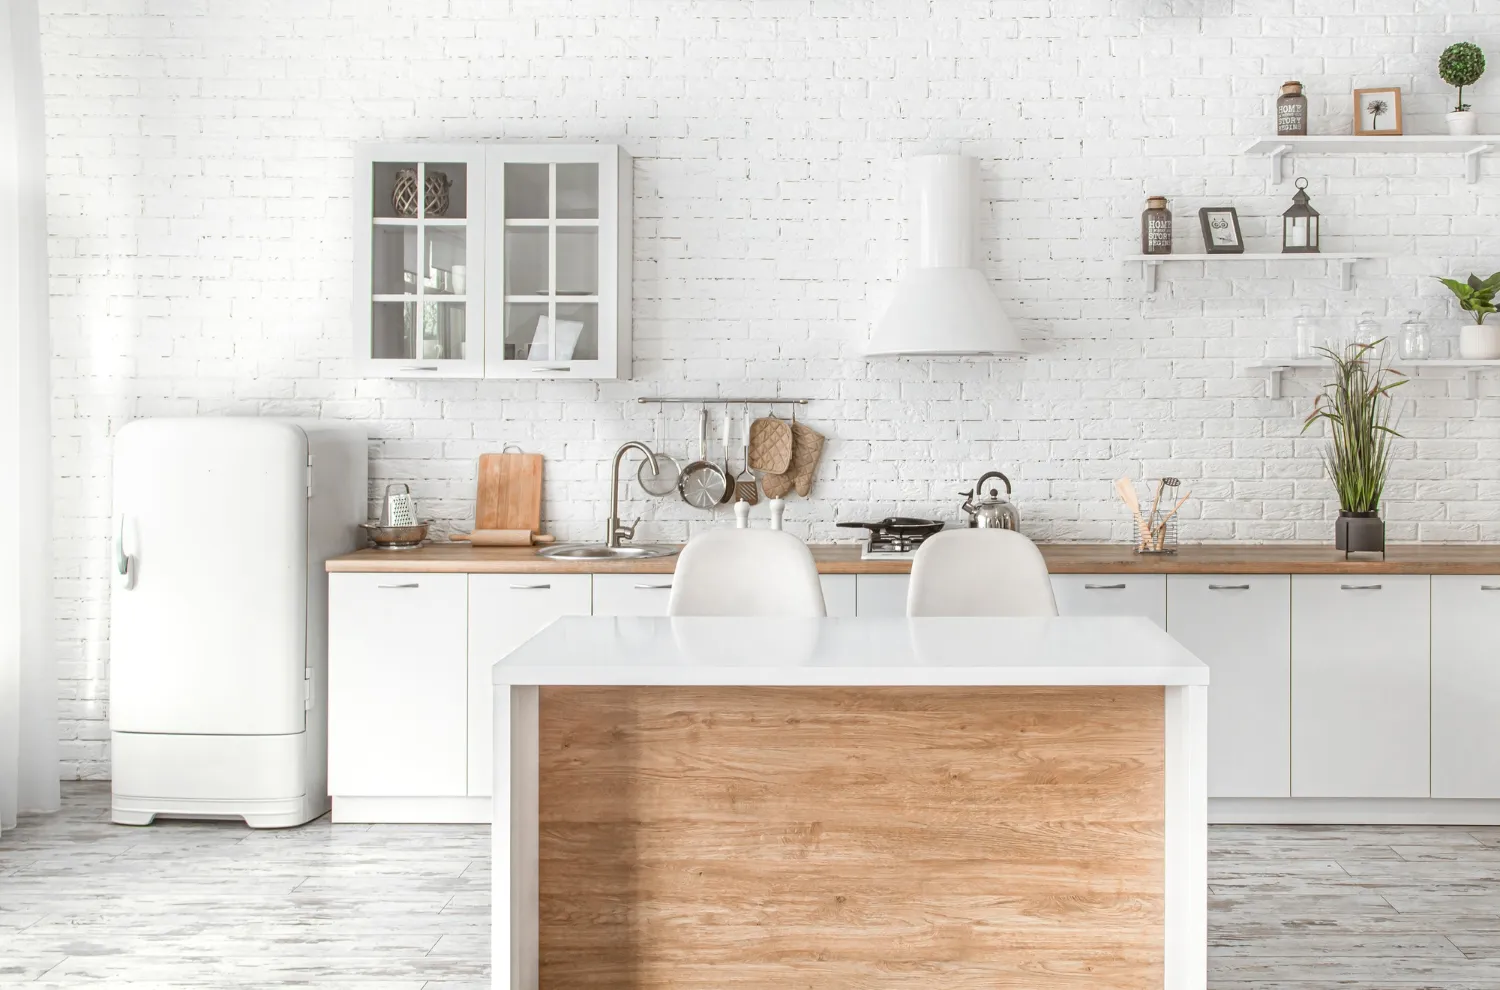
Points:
[(1072, 651)]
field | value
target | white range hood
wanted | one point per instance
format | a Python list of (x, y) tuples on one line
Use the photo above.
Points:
[(943, 306)]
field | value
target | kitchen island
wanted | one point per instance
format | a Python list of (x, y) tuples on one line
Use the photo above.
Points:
[(897, 802)]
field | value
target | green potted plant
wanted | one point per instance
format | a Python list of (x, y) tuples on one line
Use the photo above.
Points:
[(1358, 408), (1461, 65), (1477, 341)]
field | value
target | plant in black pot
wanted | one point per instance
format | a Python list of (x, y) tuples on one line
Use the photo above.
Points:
[(1358, 407)]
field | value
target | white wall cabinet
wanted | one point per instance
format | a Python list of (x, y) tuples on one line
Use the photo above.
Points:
[(1465, 686), (493, 261), (398, 685), (1241, 626), (1144, 595), (505, 610), (1360, 686)]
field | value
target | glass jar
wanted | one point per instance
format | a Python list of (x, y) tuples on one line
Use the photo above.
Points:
[(1367, 329), (1291, 110), (1156, 227), (1416, 342), (1306, 336)]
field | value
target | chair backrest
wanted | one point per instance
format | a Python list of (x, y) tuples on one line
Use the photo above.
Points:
[(979, 572), (746, 572)]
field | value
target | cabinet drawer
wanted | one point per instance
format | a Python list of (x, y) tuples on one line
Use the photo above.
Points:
[(1241, 626), (1360, 686), (881, 595), (397, 685), (1465, 686), (839, 595), (505, 610), (1112, 594), (632, 594)]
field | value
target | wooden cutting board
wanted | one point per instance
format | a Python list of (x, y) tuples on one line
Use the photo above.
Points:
[(510, 492)]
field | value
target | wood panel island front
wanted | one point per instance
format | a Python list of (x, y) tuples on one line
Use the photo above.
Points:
[(857, 802)]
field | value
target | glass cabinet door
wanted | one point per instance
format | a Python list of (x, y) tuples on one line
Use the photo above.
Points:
[(425, 215), (557, 221)]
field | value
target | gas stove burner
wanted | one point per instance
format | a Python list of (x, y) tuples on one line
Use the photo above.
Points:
[(895, 536)]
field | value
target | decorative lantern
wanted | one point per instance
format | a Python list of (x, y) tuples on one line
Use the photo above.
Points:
[(1299, 224)]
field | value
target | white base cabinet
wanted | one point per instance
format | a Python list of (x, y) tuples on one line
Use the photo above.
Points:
[(881, 595), (1361, 668), (1241, 626), (1465, 686), (505, 610), (1127, 595), (398, 685)]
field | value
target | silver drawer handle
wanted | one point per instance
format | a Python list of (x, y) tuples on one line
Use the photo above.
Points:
[(1359, 587), (563, 367), (653, 587), (1489, 587), (1104, 587), (412, 585), (420, 367), (530, 587), (1229, 587)]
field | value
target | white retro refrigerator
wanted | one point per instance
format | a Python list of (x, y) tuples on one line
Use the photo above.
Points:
[(218, 665)]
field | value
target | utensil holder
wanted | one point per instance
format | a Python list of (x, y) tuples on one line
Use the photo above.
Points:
[(1163, 539)]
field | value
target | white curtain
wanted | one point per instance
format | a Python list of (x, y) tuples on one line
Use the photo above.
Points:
[(28, 671)]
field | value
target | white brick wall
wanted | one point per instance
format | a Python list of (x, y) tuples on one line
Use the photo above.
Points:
[(199, 200)]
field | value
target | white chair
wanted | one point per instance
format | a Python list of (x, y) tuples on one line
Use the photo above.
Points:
[(746, 572), (979, 572)]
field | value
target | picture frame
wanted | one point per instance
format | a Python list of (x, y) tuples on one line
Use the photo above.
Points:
[(1377, 111), (1221, 230)]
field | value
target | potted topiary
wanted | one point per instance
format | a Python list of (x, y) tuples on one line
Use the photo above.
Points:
[(1461, 65), (1477, 342), (1357, 406)]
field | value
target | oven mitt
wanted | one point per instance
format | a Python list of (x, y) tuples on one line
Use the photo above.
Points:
[(807, 447), (770, 445)]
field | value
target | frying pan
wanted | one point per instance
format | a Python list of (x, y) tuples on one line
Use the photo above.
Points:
[(899, 525), (704, 483)]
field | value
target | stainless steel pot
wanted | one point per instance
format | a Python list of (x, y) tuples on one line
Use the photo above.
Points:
[(991, 510)]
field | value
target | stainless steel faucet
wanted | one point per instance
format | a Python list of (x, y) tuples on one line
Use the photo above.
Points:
[(614, 532)]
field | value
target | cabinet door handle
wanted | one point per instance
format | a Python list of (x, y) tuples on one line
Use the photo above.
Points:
[(563, 367), (420, 367), (1104, 587), (413, 584), (653, 587), (1359, 587), (1489, 587), (1229, 587), (530, 587)]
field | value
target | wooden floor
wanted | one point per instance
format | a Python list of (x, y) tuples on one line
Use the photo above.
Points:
[(387, 907)]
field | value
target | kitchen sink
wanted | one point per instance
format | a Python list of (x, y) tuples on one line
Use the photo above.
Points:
[(598, 551)]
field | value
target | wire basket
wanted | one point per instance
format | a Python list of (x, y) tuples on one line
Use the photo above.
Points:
[(1163, 538)]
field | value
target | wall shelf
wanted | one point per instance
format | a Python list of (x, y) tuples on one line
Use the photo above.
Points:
[(1151, 262), (1276, 367), (1471, 147)]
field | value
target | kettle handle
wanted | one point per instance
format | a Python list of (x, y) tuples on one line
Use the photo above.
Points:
[(986, 477)]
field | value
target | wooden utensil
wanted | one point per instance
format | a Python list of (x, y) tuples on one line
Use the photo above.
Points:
[(501, 537), (510, 492), (1126, 492), (1160, 535)]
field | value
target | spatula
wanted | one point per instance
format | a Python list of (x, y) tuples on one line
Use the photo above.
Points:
[(1126, 492)]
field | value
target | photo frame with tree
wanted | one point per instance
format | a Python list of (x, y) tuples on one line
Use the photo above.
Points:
[(1377, 111)]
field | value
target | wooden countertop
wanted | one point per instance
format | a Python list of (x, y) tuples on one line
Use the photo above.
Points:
[(1062, 558)]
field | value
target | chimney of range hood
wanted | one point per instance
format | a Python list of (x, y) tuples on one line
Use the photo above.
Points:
[(943, 306)]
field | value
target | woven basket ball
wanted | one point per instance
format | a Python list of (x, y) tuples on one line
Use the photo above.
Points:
[(404, 196)]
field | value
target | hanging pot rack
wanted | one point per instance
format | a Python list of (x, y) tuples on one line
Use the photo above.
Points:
[(731, 401)]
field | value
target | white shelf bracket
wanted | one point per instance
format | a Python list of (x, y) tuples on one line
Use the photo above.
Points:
[(1471, 161), (1278, 172), (1273, 381), (1346, 273), (1148, 273), (1472, 376)]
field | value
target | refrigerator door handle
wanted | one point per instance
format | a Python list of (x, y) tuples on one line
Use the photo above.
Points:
[(124, 563)]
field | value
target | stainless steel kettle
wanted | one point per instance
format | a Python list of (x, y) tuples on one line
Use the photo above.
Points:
[(991, 510)]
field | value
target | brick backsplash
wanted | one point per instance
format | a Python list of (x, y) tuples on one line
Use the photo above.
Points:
[(199, 162)]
